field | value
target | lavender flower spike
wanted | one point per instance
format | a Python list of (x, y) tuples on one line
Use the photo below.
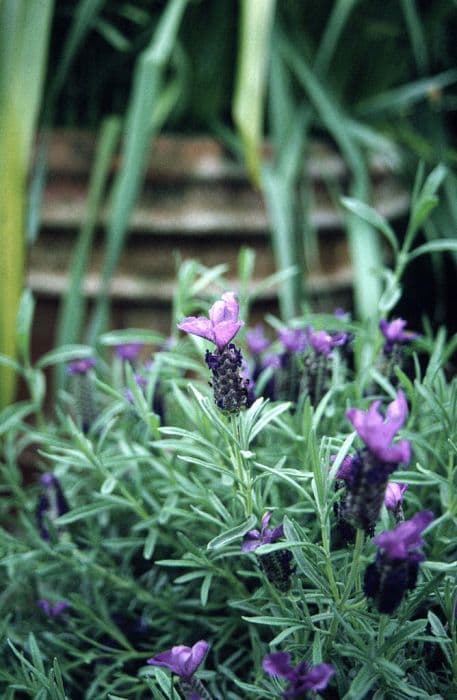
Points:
[(81, 366), (398, 543), (277, 565), (394, 332), (378, 432), (293, 339), (221, 326), (53, 610), (395, 570), (256, 340), (301, 678), (128, 351), (393, 497), (181, 660), (267, 535)]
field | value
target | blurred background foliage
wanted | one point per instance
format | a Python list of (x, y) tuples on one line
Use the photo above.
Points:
[(365, 77)]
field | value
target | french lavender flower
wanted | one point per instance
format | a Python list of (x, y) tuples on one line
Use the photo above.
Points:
[(393, 499), (367, 480), (83, 390), (395, 570), (229, 387), (51, 504), (394, 333), (256, 340), (277, 566), (128, 352), (184, 661), (287, 379), (317, 368), (304, 680), (53, 610), (393, 352)]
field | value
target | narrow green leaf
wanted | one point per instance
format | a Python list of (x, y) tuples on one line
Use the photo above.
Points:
[(234, 533), (256, 21), (371, 216), (446, 244)]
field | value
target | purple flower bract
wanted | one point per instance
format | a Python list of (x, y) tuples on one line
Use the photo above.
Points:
[(302, 678), (221, 326), (378, 432), (401, 542), (181, 660), (255, 538)]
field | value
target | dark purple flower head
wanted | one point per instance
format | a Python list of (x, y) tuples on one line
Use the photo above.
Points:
[(256, 340), (302, 678), (394, 332), (129, 351), (81, 366), (403, 540), (346, 467), (393, 497), (181, 660), (53, 609), (267, 535), (293, 339), (321, 342), (378, 432), (221, 326)]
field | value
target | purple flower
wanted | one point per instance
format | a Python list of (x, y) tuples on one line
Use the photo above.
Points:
[(346, 467), (255, 538), (53, 609), (221, 326), (321, 342), (394, 332), (293, 339), (302, 678), (399, 542), (256, 340), (81, 366), (378, 432), (395, 570), (181, 660), (129, 351), (393, 497)]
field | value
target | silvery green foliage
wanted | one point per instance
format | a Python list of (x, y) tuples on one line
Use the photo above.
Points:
[(149, 555)]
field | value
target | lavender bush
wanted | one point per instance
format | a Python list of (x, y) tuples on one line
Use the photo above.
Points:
[(270, 516)]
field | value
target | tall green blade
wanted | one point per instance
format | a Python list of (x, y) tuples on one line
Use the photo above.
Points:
[(24, 32), (139, 128), (363, 239), (72, 309), (248, 104)]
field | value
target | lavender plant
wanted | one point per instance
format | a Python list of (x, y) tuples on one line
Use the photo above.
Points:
[(187, 523)]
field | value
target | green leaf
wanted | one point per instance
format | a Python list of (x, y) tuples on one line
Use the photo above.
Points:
[(234, 533), (256, 22), (372, 217), (85, 511), (24, 325), (445, 244), (66, 353), (131, 335)]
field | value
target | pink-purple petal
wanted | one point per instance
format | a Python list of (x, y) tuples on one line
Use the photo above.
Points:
[(198, 325), (318, 676), (278, 664), (225, 331)]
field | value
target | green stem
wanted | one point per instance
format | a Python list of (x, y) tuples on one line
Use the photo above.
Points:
[(354, 572)]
